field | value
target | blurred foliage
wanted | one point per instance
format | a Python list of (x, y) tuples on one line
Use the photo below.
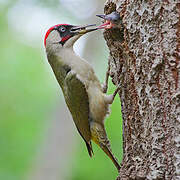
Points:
[(28, 94)]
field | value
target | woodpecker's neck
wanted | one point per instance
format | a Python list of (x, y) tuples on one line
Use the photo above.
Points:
[(59, 66), (67, 56), (54, 45), (60, 56)]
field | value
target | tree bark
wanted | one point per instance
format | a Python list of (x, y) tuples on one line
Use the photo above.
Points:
[(145, 62)]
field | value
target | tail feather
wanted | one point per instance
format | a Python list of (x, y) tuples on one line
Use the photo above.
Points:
[(89, 148), (99, 136), (106, 149)]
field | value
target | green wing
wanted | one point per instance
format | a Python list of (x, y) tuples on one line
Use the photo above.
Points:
[(77, 101)]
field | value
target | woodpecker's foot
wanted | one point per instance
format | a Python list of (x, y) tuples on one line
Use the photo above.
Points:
[(118, 178), (104, 87), (110, 98), (119, 170), (115, 92)]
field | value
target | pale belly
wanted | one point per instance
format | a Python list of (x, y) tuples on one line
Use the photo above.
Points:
[(98, 107)]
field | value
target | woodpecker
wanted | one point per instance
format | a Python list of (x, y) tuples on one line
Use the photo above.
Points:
[(83, 93), (112, 20)]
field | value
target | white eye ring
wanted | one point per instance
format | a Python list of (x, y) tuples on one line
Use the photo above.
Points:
[(62, 29)]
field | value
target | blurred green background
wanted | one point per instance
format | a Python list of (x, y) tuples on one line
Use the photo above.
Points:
[(38, 140)]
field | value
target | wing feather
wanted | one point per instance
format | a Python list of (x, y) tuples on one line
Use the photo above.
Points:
[(77, 101)]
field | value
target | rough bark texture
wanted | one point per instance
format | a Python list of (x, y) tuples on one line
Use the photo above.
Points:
[(145, 62)]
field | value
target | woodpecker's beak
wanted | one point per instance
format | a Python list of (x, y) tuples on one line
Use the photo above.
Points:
[(110, 20), (83, 29)]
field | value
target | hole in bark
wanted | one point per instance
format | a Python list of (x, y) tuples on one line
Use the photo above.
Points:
[(116, 34)]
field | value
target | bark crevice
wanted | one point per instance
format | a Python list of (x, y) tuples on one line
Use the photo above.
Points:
[(144, 61)]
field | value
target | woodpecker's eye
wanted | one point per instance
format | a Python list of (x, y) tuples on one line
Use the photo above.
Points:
[(62, 29)]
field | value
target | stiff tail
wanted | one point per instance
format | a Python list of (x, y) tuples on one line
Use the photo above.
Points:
[(89, 148), (106, 149), (99, 136)]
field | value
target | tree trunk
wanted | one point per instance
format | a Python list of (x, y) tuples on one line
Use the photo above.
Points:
[(144, 61)]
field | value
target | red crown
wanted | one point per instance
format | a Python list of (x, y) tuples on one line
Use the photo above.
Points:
[(49, 31)]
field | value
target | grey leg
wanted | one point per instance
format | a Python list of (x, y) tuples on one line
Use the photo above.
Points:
[(105, 85), (110, 98)]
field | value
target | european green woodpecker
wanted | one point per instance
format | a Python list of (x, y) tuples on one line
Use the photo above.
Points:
[(83, 93)]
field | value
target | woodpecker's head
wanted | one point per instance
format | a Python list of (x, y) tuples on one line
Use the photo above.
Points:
[(65, 35), (112, 20)]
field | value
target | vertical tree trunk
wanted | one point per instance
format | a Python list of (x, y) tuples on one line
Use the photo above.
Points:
[(145, 62)]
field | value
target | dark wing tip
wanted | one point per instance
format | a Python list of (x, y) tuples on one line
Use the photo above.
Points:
[(89, 148)]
